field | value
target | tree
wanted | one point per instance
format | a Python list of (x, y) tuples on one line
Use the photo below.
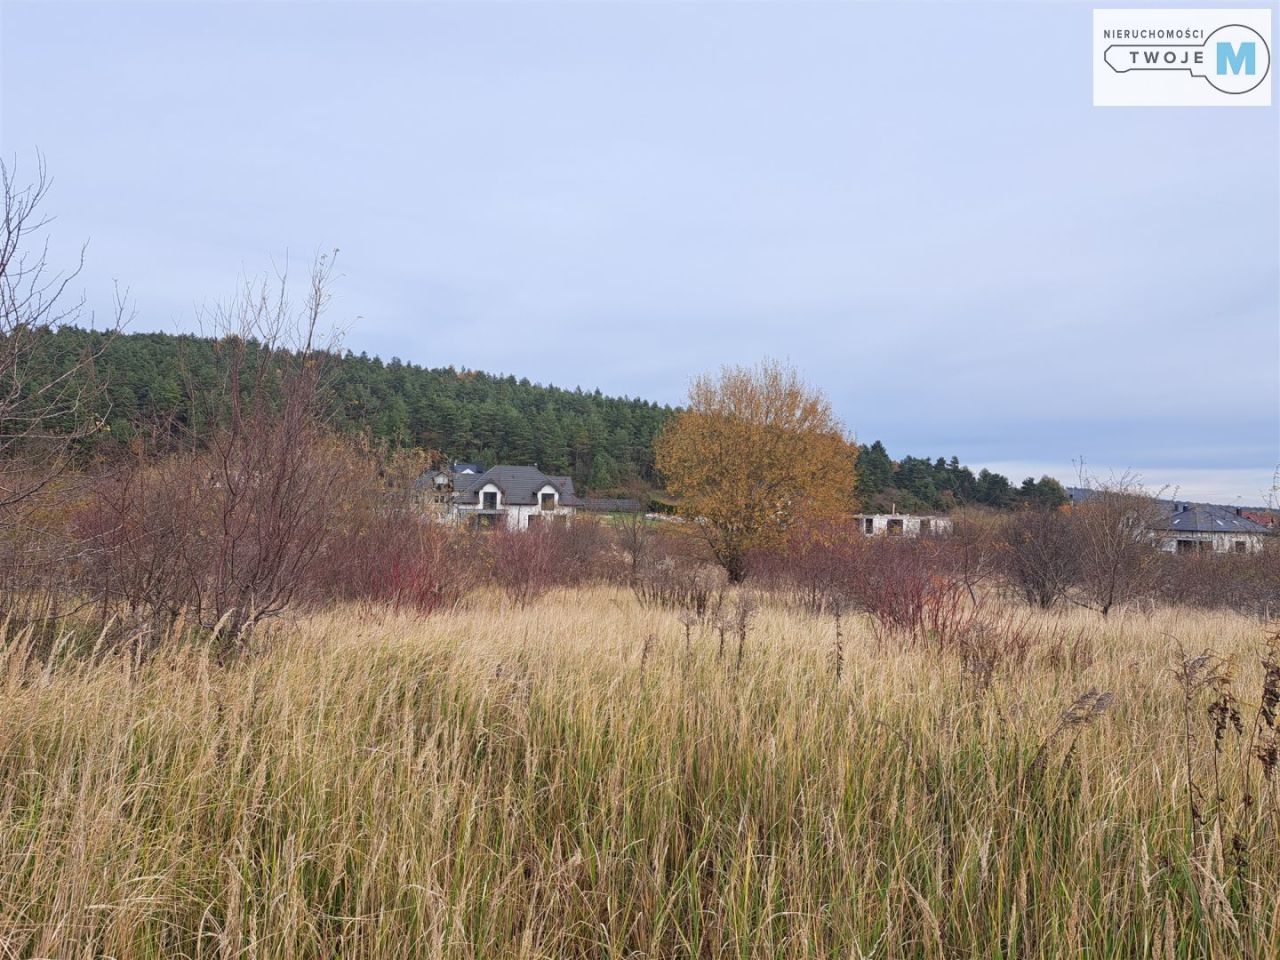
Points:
[(44, 411), (227, 527), (994, 490), (634, 530), (1046, 492), (393, 424), (961, 481), (755, 450), (974, 547), (604, 472), (915, 475), (519, 447), (1040, 555), (875, 471), (1114, 533), (549, 441), (48, 390)]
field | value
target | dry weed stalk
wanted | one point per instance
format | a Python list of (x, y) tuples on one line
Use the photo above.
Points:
[(495, 781), (1082, 712), (1204, 671), (838, 652), (741, 621), (688, 620)]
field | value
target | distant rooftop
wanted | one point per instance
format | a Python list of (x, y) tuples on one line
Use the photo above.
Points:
[(1182, 516), (519, 485)]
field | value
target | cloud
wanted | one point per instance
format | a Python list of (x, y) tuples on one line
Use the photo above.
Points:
[(625, 195)]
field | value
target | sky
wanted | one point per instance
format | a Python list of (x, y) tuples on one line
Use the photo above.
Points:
[(916, 204)]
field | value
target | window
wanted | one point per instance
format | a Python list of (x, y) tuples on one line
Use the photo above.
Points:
[(895, 528), (548, 501), (868, 526), (1240, 546), (489, 500), (924, 526)]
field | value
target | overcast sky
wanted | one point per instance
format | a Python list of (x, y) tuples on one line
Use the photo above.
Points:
[(916, 204)]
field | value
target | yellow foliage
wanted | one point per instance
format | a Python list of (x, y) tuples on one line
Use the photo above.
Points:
[(755, 450)]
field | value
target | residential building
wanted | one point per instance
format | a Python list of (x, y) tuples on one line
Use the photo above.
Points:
[(1185, 527), (1200, 527), (902, 525), (505, 495)]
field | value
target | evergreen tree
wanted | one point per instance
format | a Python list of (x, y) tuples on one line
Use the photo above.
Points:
[(994, 490), (469, 415), (915, 477), (519, 448), (875, 471), (393, 422), (604, 472), (1045, 492), (549, 442)]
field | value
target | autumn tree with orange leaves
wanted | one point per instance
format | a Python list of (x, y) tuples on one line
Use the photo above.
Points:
[(755, 452)]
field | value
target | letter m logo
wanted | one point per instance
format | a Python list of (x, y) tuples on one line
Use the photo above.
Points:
[(1232, 58)]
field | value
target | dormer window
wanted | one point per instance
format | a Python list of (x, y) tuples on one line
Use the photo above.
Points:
[(489, 500), (547, 501)]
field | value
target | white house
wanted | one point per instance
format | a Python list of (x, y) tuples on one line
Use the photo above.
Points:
[(1203, 527), (509, 495), (901, 525), (1185, 527)]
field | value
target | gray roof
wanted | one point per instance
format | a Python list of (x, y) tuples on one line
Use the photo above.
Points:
[(1181, 516), (519, 486), (1206, 518)]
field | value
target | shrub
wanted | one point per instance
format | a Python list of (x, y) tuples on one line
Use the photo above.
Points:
[(1248, 583), (1038, 554), (909, 591), (819, 566), (526, 564), (393, 553), (1114, 544), (216, 539)]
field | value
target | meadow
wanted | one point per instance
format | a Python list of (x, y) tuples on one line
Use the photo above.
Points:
[(586, 776)]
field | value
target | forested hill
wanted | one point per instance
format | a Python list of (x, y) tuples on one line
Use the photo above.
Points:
[(921, 485), (603, 442)]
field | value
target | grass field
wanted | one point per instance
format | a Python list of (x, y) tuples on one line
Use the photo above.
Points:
[(571, 779)]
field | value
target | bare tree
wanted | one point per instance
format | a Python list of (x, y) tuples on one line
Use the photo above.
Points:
[(46, 401), (229, 528), (974, 547), (1039, 555), (635, 531), (1114, 531)]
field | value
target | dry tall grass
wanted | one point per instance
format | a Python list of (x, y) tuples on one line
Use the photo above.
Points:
[(567, 779)]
